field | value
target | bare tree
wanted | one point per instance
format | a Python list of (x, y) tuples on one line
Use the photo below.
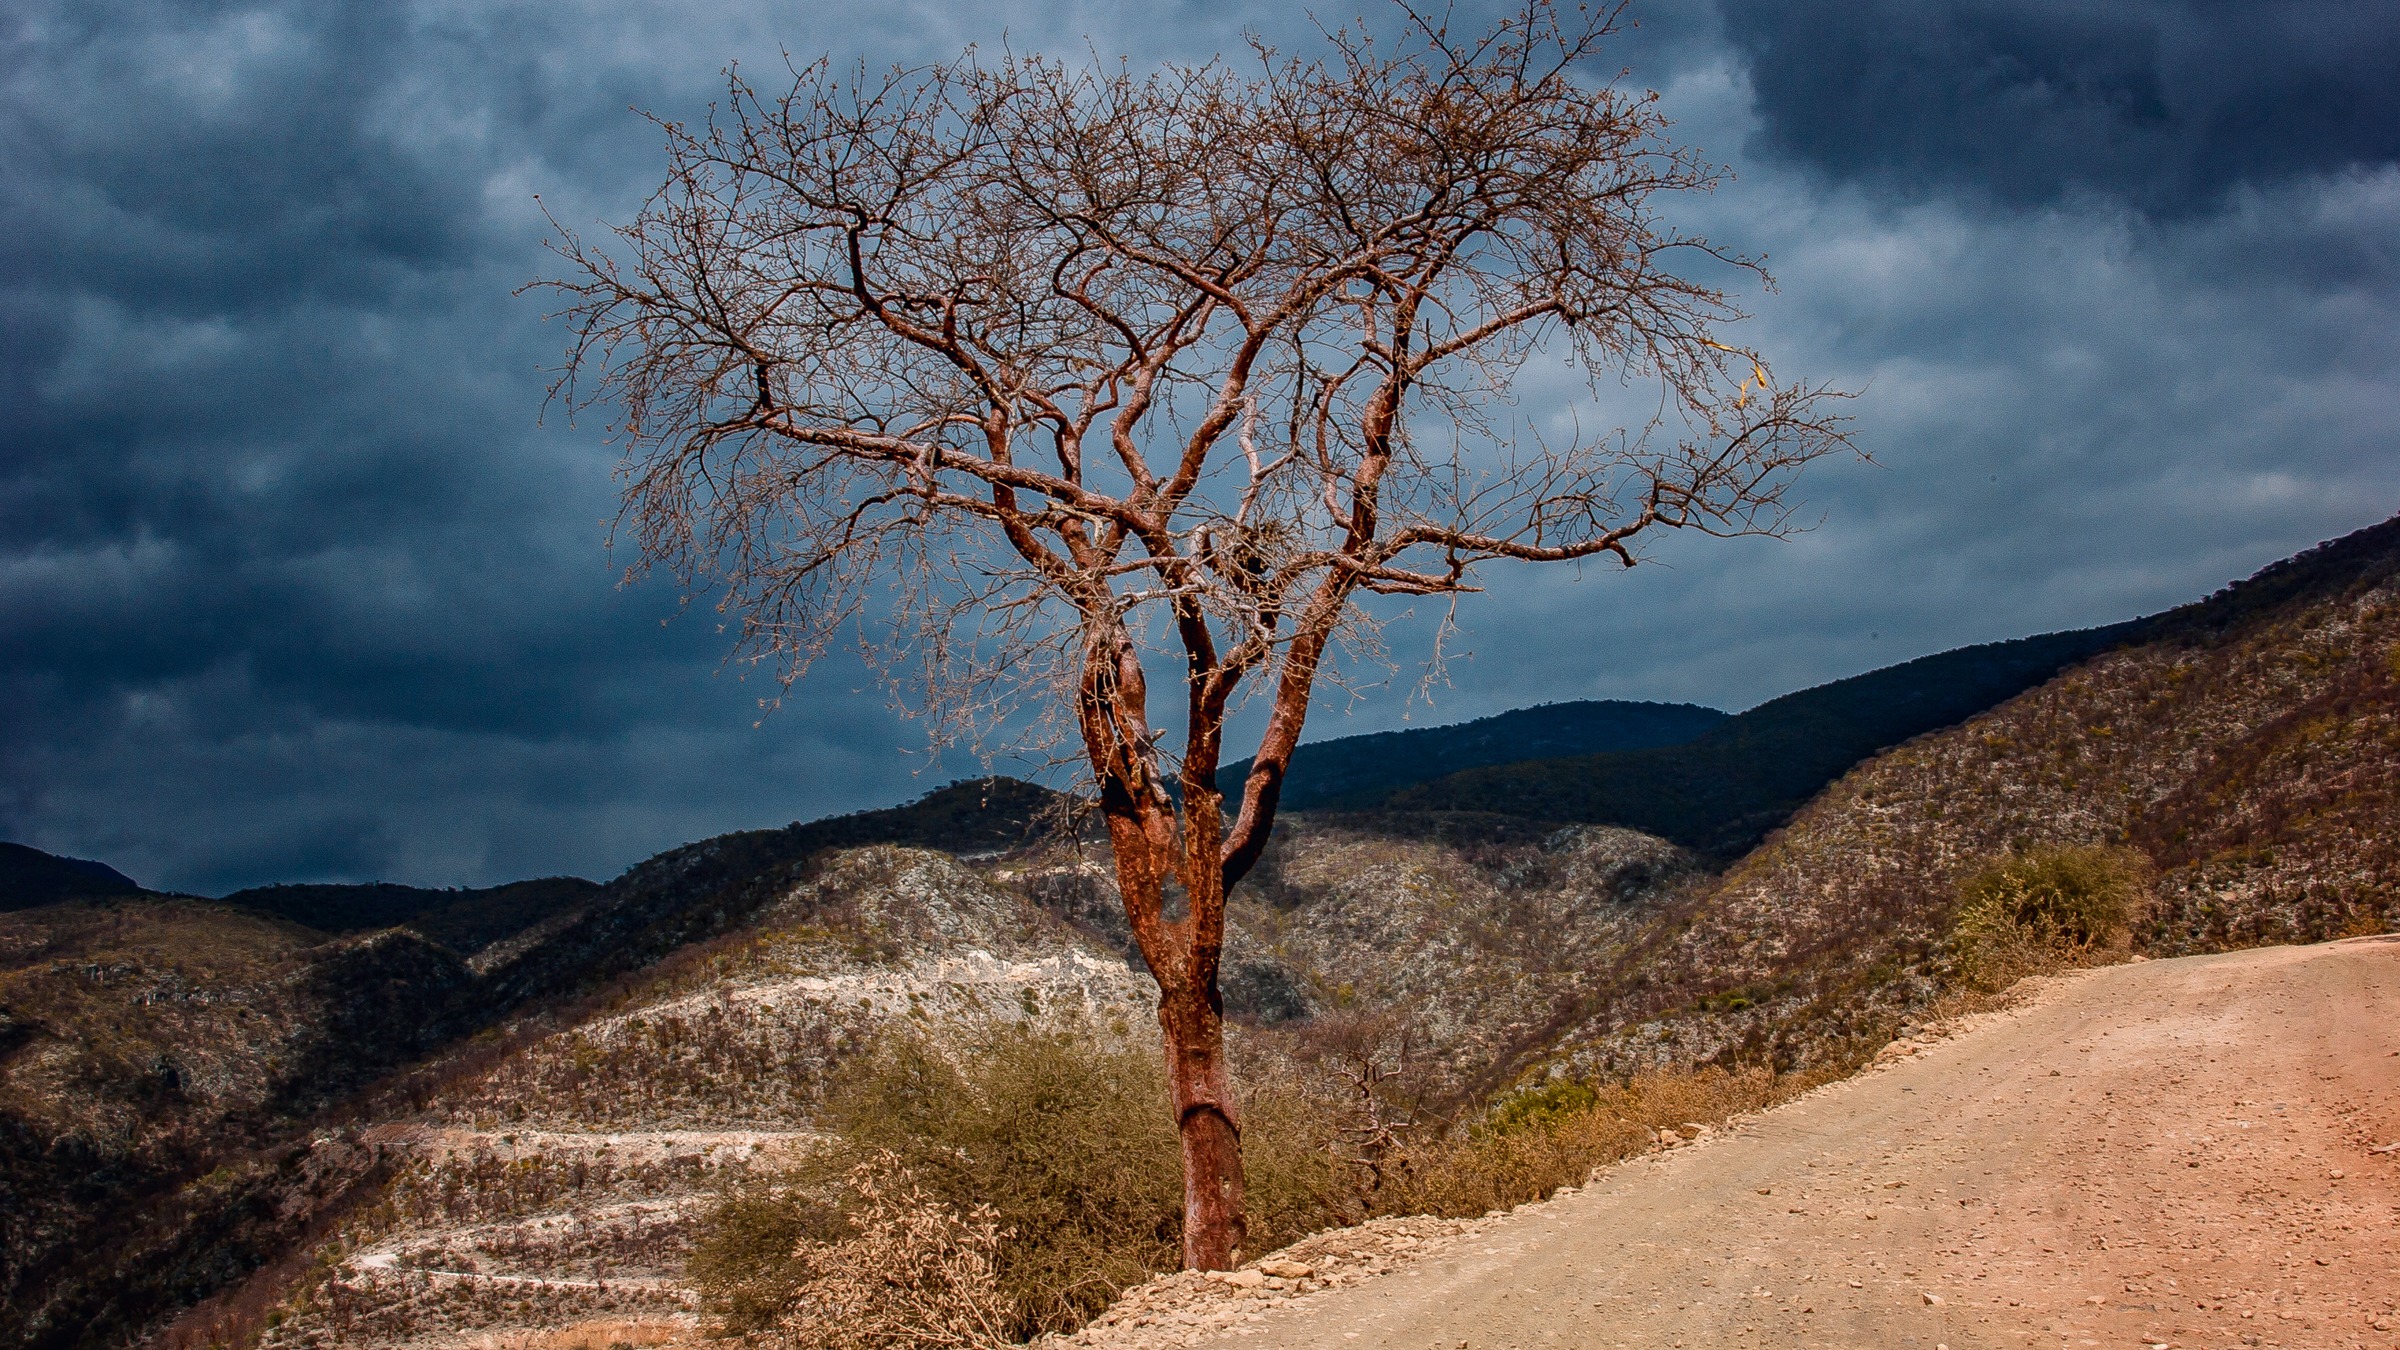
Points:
[(1068, 369)]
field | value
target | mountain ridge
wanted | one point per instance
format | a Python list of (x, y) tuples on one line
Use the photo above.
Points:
[(30, 877), (1348, 772)]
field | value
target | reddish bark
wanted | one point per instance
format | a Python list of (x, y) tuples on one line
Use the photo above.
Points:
[(923, 329)]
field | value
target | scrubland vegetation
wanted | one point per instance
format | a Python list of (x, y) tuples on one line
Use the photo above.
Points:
[(1031, 1173)]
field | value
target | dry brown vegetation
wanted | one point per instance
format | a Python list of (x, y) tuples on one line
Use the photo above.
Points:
[(1056, 1141), (159, 1060)]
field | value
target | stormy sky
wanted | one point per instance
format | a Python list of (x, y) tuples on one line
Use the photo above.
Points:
[(298, 582)]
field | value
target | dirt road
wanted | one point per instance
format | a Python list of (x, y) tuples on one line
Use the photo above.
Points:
[(2175, 1153)]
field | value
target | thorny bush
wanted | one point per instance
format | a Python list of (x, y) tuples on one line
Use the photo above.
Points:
[(2037, 911)]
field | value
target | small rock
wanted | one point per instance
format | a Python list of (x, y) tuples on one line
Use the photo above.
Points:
[(1284, 1268), (1933, 1300), (1239, 1279), (2096, 1299)]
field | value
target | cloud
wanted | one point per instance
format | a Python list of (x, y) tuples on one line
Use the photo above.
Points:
[(297, 582), (2166, 104)]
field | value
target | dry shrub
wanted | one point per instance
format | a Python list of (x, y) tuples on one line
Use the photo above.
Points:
[(1055, 1146), (1064, 1135), (2045, 910), (916, 1273), (746, 1260)]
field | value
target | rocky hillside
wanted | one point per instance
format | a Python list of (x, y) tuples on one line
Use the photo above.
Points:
[(560, 1181), (1455, 944), (178, 1077), (154, 1055), (2249, 749)]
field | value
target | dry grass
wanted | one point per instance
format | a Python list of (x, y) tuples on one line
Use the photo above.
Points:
[(1536, 1141)]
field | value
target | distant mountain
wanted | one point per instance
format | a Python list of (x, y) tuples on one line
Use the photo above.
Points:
[(30, 877), (1724, 791), (1363, 771), (464, 920), (1721, 792)]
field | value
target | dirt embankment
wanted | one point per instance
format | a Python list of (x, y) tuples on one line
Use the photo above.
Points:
[(2189, 1153)]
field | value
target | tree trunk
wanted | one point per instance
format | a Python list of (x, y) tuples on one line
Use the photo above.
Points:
[(1213, 1227)]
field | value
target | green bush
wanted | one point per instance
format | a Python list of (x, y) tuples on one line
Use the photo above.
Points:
[(2038, 910), (1540, 1107), (1069, 1142), (747, 1260)]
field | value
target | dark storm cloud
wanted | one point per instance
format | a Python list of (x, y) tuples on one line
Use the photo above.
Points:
[(295, 583), (2165, 103)]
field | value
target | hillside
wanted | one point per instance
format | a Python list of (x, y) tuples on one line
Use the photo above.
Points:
[(1353, 772), (154, 1058), (2249, 750), (30, 878), (1721, 792), (560, 1181), (554, 1103), (170, 1067)]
